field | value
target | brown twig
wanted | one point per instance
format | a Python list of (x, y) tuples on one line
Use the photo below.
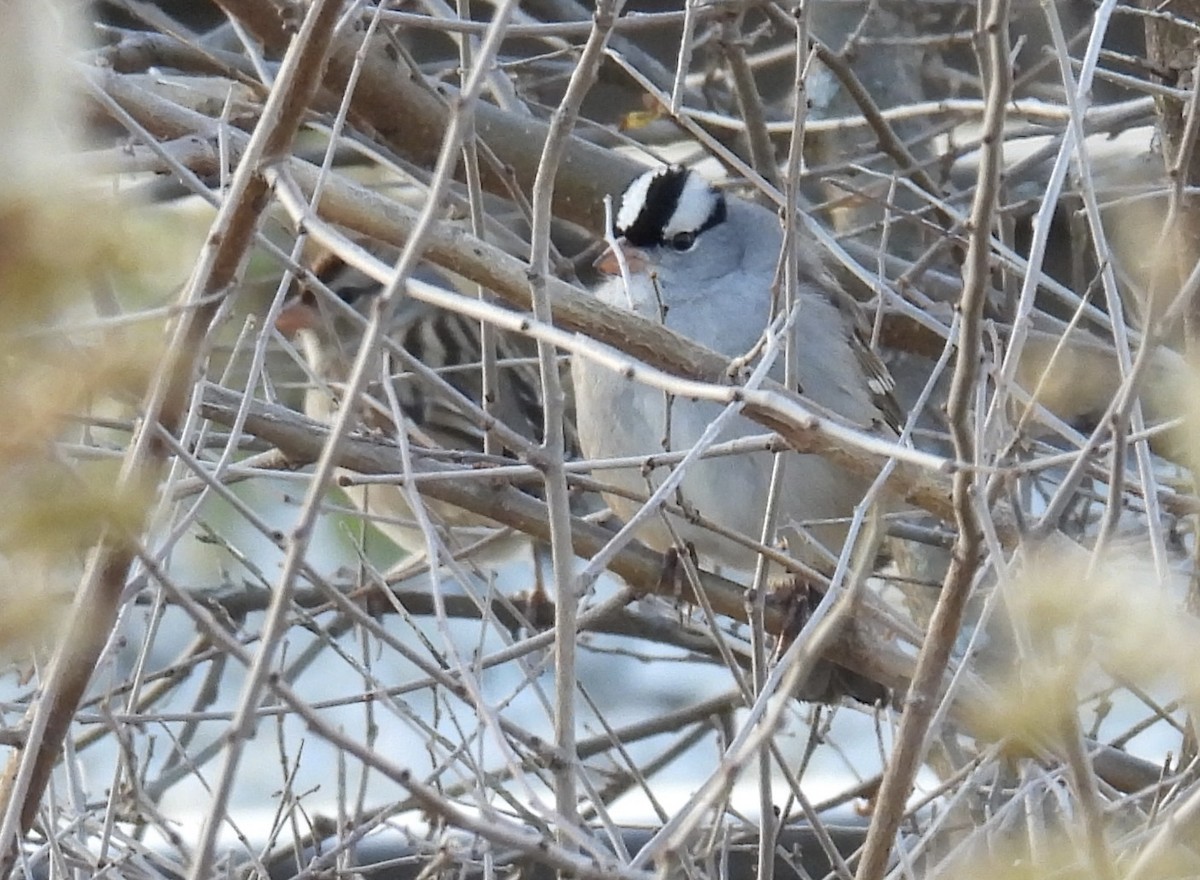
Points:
[(749, 101), (889, 142), (396, 103), (947, 616), (554, 406)]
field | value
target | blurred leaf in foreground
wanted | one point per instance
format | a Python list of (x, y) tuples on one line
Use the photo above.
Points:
[(63, 361), (1081, 626)]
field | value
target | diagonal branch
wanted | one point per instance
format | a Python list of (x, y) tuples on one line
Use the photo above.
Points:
[(947, 617), (98, 601)]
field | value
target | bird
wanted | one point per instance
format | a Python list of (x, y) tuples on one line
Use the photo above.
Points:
[(449, 343), (435, 422), (703, 264)]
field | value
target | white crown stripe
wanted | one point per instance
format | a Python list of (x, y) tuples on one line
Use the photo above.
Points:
[(634, 199), (694, 207)]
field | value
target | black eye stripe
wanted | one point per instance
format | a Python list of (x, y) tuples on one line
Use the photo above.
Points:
[(351, 294)]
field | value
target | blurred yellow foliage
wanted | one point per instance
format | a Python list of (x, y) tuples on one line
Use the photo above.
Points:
[(63, 360), (61, 511), (1180, 393), (1082, 624), (1049, 848)]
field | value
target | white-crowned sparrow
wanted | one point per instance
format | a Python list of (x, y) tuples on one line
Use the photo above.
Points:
[(450, 346), (704, 265)]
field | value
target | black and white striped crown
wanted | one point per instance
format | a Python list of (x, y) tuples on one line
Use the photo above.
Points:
[(668, 206)]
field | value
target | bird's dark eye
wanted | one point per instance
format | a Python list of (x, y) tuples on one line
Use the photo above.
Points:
[(353, 294), (683, 241)]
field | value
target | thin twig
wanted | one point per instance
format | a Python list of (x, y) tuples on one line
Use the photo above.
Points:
[(554, 451), (947, 615)]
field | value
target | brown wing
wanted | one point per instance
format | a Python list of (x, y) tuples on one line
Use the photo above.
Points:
[(447, 343), (878, 378)]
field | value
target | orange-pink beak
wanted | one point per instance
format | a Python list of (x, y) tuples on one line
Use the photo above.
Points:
[(635, 259), (296, 316)]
